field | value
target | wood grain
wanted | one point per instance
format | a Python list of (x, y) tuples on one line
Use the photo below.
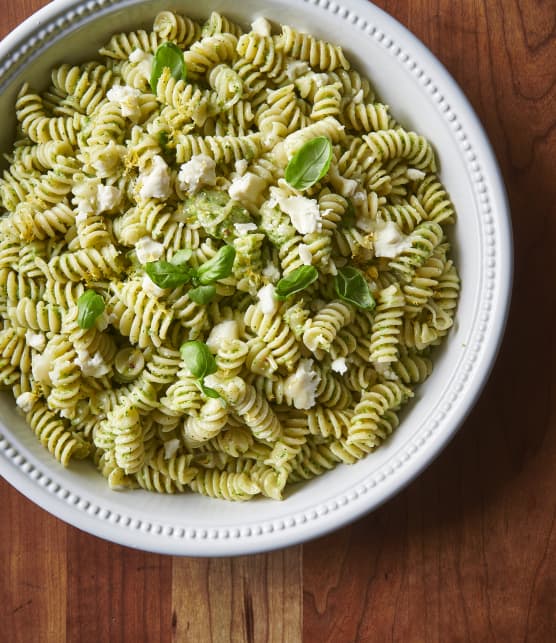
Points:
[(465, 553)]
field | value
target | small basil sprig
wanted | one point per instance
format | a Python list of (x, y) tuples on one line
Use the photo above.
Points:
[(89, 306), (168, 275), (202, 294), (351, 286), (168, 55), (296, 281), (200, 361), (171, 274), (310, 163), (219, 267)]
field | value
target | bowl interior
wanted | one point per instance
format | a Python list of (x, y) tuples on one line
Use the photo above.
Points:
[(423, 98)]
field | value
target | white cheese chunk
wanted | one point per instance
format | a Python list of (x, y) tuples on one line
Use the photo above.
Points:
[(151, 288), (35, 340), (301, 386), (413, 174), (156, 182), (304, 213), (267, 302), (247, 188), (296, 68), (92, 197), (339, 365), (305, 254), (25, 401), (128, 100), (148, 249), (91, 366), (261, 26), (272, 272), (107, 159), (240, 167), (107, 198), (226, 330), (345, 187), (389, 241), (144, 62), (244, 228), (171, 448), (40, 367), (198, 171)]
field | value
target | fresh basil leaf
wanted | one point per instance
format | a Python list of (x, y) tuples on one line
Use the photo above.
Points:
[(89, 306), (182, 257), (168, 55), (219, 267), (202, 294), (209, 392), (296, 281), (310, 163), (167, 275), (198, 359), (351, 286)]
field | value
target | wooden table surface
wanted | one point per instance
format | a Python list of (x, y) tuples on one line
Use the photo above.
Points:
[(468, 551)]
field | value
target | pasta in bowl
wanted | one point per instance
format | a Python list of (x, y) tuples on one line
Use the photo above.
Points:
[(225, 263)]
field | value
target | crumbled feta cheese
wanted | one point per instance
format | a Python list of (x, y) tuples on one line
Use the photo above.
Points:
[(247, 188), (156, 182), (301, 386), (128, 100), (413, 174), (339, 365), (35, 340), (267, 301), (107, 198), (305, 254), (358, 97), (389, 241), (144, 62), (345, 187), (107, 159), (225, 330), (171, 448), (25, 401), (296, 68), (244, 228), (241, 166), (94, 366), (303, 212), (272, 272), (385, 369), (199, 170), (148, 249), (92, 197), (261, 26), (151, 288), (81, 217), (40, 367)]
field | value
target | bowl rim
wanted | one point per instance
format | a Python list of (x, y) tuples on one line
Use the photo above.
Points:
[(36, 484)]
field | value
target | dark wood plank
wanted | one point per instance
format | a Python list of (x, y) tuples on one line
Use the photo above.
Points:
[(467, 552), (116, 593), (33, 582)]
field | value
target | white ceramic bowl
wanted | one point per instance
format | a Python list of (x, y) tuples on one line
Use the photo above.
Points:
[(424, 97)]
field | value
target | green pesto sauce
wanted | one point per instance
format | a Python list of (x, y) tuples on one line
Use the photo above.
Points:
[(216, 212)]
